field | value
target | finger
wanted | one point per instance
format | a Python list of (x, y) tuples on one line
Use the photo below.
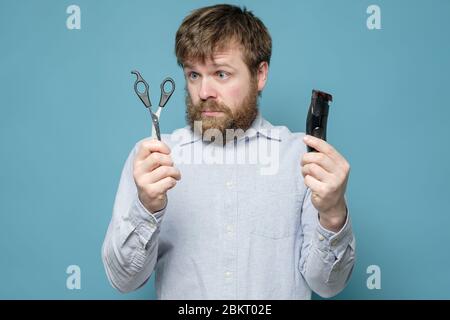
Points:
[(319, 158), (316, 171), (163, 172), (315, 185), (165, 184), (322, 146), (158, 189), (148, 146), (153, 161)]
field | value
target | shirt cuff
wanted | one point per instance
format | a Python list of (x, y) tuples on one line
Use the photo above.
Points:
[(145, 224), (155, 217), (335, 242)]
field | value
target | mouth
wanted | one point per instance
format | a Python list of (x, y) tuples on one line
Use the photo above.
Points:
[(209, 113)]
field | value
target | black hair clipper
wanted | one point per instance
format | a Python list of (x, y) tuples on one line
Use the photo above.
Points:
[(316, 121)]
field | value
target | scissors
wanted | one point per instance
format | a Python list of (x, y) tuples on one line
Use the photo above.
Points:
[(144, 96)]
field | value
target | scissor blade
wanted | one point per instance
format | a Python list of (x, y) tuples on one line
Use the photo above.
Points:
[(156, 125)]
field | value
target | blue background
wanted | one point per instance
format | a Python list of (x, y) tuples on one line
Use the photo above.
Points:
[(69, 118)]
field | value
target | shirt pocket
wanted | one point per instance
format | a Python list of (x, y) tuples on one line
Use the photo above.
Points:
[(275, 216)]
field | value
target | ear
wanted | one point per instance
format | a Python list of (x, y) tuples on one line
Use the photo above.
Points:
[(262, 73)]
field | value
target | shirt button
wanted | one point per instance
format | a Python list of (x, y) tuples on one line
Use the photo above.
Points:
[(229, 228), (228, 274), (229, 184), (321, 238)]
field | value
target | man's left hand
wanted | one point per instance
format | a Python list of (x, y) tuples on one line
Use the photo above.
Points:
[(326, 173)]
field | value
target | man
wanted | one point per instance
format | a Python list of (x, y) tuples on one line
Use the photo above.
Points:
[(220, 228)]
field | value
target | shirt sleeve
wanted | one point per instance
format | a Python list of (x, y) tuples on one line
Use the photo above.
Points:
[(327, 258), (129, 250)]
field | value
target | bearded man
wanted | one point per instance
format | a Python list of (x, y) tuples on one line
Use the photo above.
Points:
[(221, 227)]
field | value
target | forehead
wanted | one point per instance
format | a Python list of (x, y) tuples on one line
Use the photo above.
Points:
[(230, 55)]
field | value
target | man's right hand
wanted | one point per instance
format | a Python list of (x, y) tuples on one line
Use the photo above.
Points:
[(154, 174)]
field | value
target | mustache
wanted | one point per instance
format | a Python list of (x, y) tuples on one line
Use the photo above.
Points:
[(212, 105)]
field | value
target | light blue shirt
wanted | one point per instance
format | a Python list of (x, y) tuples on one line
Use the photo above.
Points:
[(233, 227)]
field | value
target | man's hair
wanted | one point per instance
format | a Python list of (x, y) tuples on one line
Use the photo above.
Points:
[(209, 29)]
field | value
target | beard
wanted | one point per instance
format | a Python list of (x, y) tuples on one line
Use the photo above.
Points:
[(242, 117)]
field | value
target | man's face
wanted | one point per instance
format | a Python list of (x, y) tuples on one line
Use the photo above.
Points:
[(221, 92)]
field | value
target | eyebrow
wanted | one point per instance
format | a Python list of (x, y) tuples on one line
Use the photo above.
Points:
[(216, 65), (223, 65)]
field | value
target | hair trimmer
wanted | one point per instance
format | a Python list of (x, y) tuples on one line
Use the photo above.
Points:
[(316, 121)]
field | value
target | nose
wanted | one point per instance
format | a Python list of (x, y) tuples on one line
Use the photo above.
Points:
[(207, 89)]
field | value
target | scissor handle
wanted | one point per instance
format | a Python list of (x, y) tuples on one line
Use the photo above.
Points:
[(144, 96), (165, 95)]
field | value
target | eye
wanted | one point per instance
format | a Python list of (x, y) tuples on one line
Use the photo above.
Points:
[(193, 75), (223, 75)]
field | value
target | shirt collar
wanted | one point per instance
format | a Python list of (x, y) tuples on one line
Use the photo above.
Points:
[(259, 128)]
